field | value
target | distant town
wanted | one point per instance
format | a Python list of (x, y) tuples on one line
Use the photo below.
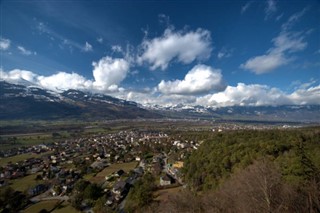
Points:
[(56, 167)]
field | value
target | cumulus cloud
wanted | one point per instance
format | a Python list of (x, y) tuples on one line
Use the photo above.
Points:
[(245, 95), (152, 98), (17, 75), (59, 81), (109, 72), (284, 45), (142, 97), (184, 47), (87, 47), (260, 95), (4, 44), (199, 79), (265, 63), (64, 81), (306, 96), (240, 95)]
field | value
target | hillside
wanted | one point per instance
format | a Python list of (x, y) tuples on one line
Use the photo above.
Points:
[(29, 102), (249, 171)]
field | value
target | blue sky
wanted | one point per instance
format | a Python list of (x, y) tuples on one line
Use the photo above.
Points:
[(213, 53)]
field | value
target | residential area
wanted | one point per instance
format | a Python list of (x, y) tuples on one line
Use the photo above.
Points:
[(80, 171)]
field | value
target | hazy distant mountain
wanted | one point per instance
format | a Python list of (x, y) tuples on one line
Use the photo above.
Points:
[(25, 101), (294, 113)]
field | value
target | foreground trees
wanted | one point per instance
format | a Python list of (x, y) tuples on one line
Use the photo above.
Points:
[(252, 171), (258, 188), (295, 152), (140, 194)]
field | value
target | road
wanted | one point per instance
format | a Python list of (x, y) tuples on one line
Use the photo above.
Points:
[(46, 196)]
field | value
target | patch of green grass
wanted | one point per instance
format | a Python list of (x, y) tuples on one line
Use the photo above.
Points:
[(65, 207), (18, 140), (100, 177), (23, 184), (22, 157), (88, 176), (47, 205), (96, 130)]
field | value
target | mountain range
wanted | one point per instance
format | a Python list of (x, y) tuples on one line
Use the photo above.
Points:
[(26, 101)]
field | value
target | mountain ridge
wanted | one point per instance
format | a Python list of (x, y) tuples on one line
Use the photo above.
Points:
[(22, 102), (32, 102)]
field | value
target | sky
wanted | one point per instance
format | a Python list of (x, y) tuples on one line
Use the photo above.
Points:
[(210, 53)]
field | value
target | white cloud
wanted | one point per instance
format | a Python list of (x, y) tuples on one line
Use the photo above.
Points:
[(284, 45), (270, 9), (109, 72), (87, 47), (64, 42), (260, 95), (199, 79), (100, 40), (224, 53), (17, 75), (4, 44), (240, 95), (287, 41), (59, 81), (265, 63), (245, 95), (164, 19), (279, 17), (307, 84), (24, 51), (306, 96), (184, 47), (116, 48), (245, 7), (293, 19), (64, 81)]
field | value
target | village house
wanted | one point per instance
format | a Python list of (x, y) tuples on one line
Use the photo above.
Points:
[(165, 180), (120, 189)]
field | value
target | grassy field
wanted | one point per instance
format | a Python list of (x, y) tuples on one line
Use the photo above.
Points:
[(22, 157), (47, 205), (65, 207), (30, 139), (54, 206), (100, 177), (22, 184), (162, 195)]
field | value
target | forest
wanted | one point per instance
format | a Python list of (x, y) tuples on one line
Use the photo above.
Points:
[(248, 171)]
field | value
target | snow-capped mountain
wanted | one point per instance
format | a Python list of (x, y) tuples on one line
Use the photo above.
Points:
[(296, 113), (29, 101), (26, 101)]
